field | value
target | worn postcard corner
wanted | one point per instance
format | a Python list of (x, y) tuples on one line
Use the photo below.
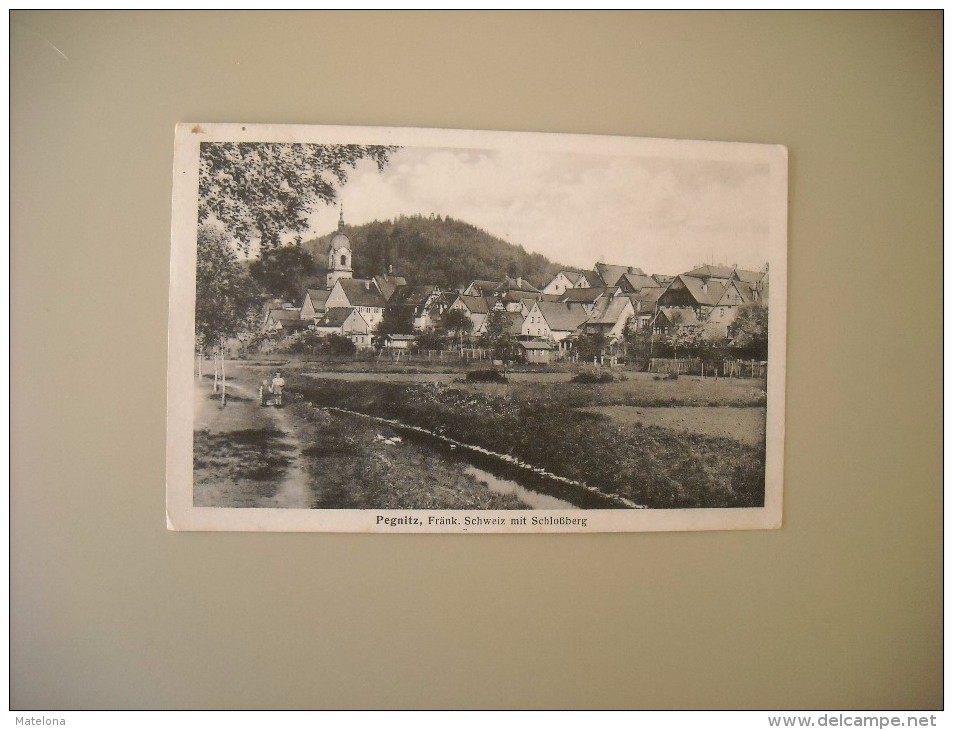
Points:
[(422, 330)]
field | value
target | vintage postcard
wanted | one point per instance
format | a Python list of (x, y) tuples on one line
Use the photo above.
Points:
[(422, 330)]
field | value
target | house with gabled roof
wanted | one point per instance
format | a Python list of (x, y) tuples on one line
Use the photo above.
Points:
[(691, 300), (283, 320), (554, 321), (347, 322), (727, 273), (536, 352), (610, 273), (516, 323), (395, 341), (749, 277), (691, 291), (634, 283), (476, 308), (419, 304), (481, 288), (645, 303), (736, 295), (610, 318), (518, 284), (712, 271), (362, 294), (387, 284), (515, 301), (315, 303), (590, 296), (509, 290), (569, 279), (526, 303), (670, 318), (714, 294), (434, 313)]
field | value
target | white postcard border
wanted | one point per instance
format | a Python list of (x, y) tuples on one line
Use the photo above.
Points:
[(183, 515)]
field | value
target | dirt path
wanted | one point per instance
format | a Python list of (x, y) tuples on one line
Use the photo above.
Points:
[(293, 490), (301, 456), (246, 455)]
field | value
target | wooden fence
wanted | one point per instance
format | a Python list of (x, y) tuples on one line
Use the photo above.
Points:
[(467, 354), (697, 366), (667, 366), (745, 368)]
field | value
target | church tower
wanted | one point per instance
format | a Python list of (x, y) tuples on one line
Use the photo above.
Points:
[(339, 255)]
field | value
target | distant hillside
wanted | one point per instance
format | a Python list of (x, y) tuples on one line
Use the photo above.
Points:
[(437, 250)]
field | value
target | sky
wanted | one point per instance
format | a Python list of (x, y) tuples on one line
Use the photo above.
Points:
[(664, 216)]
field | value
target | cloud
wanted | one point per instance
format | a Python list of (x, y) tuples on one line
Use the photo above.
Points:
[(665, 216)]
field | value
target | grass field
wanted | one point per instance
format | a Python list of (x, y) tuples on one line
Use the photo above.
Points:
[(540, 419), (744, 424)]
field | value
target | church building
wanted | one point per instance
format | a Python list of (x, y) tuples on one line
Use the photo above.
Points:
[(339, 255)]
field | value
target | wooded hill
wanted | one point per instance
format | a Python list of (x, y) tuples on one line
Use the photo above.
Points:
[(436, 250)]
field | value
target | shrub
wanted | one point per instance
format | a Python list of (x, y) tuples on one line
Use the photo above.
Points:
[(486, 376), (254, 343), (340, 345), (592, 376), (430, 339), (307, 342)]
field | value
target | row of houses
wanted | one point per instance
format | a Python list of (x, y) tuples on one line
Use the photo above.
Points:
[(708, 297), (575, 303)]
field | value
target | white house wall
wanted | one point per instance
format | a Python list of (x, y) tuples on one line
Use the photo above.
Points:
[(535, 324), (558, 285)]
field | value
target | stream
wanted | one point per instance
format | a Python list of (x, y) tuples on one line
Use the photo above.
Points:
[(506, 474), (498, 485)]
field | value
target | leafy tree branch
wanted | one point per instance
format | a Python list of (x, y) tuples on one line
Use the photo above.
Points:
[(262, 190)]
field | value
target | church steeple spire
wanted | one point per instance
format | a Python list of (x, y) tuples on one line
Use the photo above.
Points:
[(339, 254)]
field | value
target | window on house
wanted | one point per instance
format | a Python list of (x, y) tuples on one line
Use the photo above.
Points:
[(343, 259)]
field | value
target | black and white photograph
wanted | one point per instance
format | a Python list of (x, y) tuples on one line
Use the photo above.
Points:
[(386, 330)]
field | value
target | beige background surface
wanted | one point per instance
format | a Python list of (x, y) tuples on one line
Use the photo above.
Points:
[(839, 609)]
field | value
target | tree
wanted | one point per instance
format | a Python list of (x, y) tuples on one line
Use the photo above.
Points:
[(636, 343), (686, 337), (396, 321), (265, 190), (457, 324), (431, 339), (750, 332), (497, 337), (442, 251), (713, 354), (226, 298), (591, 345), (285, 272)]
